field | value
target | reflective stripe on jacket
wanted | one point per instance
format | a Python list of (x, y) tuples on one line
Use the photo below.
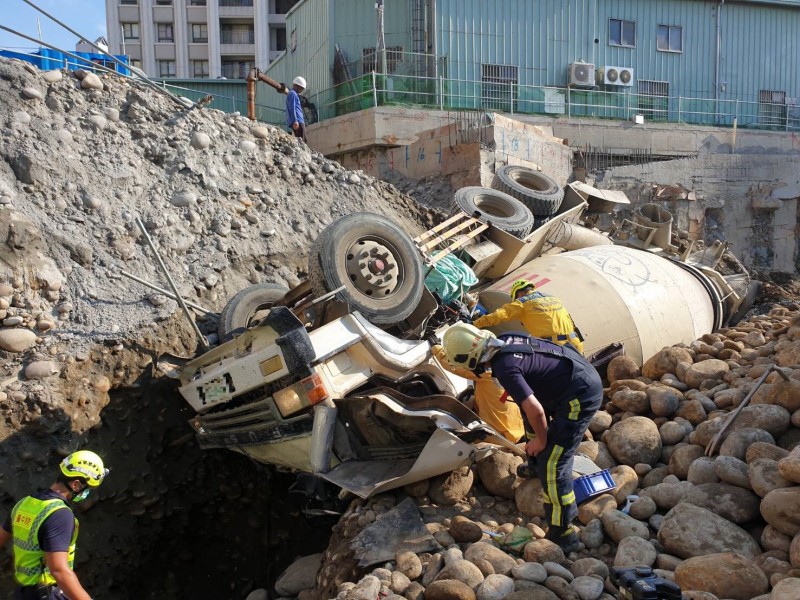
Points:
[(543, 316), (26, 519)]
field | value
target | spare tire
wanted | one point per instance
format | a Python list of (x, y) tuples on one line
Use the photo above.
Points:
[(497, 208), (375, 261), (241, 310), (541, 194)]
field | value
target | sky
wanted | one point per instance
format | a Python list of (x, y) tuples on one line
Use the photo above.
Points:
[(88, 17)]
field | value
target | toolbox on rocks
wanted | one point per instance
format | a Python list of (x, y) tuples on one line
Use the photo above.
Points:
[(594, 484)]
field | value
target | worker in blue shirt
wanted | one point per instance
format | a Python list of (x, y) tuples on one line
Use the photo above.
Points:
[(294, 112), (558, 393)]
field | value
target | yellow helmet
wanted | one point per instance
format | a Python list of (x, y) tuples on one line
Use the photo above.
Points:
[(519, 285), (86, 465), (464, 345)]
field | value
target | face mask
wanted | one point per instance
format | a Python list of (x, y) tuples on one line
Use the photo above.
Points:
[(82, 495)]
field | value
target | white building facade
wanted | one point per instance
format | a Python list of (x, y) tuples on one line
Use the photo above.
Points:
[(198, 38)]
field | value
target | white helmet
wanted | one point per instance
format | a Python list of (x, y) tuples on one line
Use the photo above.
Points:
[(299, 81)]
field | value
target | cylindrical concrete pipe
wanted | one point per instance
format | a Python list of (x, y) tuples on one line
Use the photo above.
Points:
[(615, 293), (574, 237)]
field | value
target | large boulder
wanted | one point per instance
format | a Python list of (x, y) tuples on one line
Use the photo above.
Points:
[(622, 367), (664, 400), (682, 458), (449, 488), (794, 552), (465, 530), (618, 526), (698, 372), (725, 574), (300, 575), (688, 530), (594, 508), (773, 419), (634, 551), (786, 589), (789, 466), (449, 589), (736, 443), (498, 473), (734, 503), (408, 563), (781, 509), (781, 393), (16, 340), (732, 470), (463, 571), (625, 482), (529, 498), (765, 450), (631, 401), (634, 440), (543, 551), (667, 494), (495, 587), (764, 476), (501, 562), (665, 361)]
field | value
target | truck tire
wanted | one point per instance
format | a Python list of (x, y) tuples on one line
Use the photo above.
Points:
[(497, 208), (238, 313), (541, 194), (375, 261)]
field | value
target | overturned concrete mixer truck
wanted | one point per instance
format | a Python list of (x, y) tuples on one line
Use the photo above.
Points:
[(335, 377)]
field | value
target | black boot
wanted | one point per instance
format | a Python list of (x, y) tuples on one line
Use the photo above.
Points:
[(566, 537), (528, 471)]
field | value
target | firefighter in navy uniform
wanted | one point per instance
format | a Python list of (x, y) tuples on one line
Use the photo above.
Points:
[(44, 531), (558, 391)]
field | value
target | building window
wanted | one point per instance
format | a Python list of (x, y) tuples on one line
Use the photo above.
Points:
[(283, 6), (165, 32), (236, 2), (129, 2), (622, 33), (135, 62), (236, 69), (166, 68), (772, 108), (130, 31), (654, 99), (200, 69), (237, 34), (163, 2), (370, 59), (499, 87), (277, 39), (669, 38), (199, 33), (197, 2)]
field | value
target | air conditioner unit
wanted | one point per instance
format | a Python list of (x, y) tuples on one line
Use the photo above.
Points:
[(579, 74), (610, 75)]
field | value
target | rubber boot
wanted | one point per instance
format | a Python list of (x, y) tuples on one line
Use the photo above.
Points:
[(528, 471), (566, 537)]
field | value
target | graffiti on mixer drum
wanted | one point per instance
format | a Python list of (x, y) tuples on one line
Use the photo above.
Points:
[(626, 269)]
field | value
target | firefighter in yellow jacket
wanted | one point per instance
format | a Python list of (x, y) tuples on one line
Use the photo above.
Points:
[(44, 531), (490, 403), (544, 316)]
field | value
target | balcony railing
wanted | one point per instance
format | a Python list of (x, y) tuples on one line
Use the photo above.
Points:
[(236, 2), (236, 71), (237, 37)]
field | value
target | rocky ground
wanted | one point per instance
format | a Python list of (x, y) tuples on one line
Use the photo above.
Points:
[(725, 526)]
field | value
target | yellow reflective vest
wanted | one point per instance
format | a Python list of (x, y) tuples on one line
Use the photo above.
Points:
[(542, 315), (26, 519)]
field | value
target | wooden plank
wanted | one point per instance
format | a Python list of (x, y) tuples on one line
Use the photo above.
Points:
[(456, 245), (447, 234), (439, 227)]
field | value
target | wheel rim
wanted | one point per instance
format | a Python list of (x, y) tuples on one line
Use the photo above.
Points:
[(259, 313), (374, 267)]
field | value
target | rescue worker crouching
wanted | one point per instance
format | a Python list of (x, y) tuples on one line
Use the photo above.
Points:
[(44, 531), (542, 315), (558, 391), (502, 416)]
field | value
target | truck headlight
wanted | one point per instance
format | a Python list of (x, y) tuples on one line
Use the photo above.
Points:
[(306, 392)]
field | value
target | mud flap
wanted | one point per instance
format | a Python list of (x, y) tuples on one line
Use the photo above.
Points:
[(443, 452)]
